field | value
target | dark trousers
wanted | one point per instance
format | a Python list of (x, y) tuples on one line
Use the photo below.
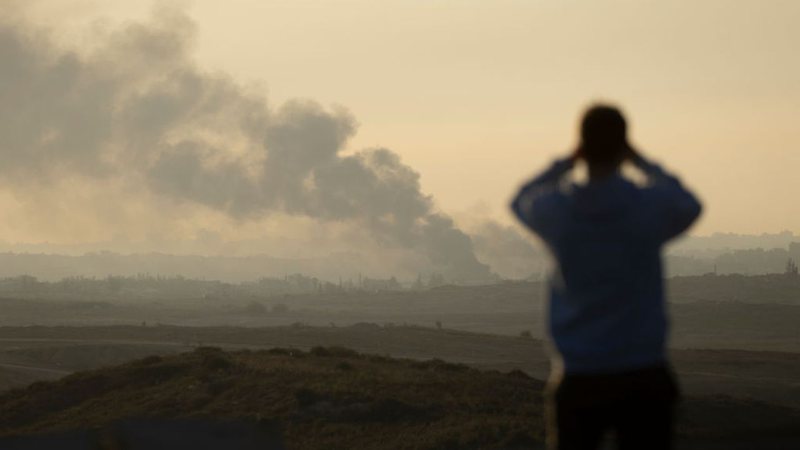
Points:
[(637, 406)]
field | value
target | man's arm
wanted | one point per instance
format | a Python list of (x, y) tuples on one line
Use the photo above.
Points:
[(680, 207), (530, 204)]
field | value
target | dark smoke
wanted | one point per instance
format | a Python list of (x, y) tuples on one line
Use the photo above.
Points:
[(508, 251), (136, 107)]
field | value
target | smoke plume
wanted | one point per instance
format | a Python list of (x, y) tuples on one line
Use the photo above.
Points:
[(137, 109)]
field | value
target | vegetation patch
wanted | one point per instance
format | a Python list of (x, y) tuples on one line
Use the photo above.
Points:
[(329, 397), (334, 397)]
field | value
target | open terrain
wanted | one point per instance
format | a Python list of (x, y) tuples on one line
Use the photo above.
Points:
[(332, 397), (50, 352), (719, 312), (738, 357), (329, 398)]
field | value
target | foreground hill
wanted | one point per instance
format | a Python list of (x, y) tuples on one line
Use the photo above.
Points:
[(326, 398), (29, 354), (337, 398)]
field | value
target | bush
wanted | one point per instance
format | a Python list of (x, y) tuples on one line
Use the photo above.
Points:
[(149, 360), (280, 308), (213, 358), (333, 351), (255, 308)]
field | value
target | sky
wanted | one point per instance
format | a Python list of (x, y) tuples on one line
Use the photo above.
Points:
[(476, 96)]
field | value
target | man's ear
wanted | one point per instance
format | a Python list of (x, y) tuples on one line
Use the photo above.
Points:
[(628, 151), (577, 154)]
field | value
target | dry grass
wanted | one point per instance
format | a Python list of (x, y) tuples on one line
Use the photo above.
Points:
[(325, 398), (333, 397)]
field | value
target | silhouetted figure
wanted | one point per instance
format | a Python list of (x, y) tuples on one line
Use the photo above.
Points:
[(607, 315)]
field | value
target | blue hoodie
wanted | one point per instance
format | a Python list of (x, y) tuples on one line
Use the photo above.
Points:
[(607, 311)]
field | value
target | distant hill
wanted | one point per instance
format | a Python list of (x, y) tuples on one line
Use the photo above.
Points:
[(755, 289), (516, 259)]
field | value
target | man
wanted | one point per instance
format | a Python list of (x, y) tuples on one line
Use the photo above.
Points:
[(607, 315)]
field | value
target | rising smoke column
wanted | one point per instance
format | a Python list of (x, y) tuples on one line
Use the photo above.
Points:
[(136, 107)]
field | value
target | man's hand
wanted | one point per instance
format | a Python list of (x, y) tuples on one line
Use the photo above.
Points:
[(576, 155), (632, 154)]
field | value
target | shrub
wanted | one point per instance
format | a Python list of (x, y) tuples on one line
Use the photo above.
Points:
[(280, 308), (333, 351), (255, 308)]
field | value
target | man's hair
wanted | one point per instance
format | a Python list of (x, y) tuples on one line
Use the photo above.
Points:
[(603, 135)]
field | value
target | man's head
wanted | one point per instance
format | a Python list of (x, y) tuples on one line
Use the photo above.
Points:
[(603, 136)]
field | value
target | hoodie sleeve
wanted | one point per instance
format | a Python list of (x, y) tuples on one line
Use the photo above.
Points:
[(535, 204), (677, 208)]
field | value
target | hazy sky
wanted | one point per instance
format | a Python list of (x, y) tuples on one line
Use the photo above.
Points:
[(477, 95)]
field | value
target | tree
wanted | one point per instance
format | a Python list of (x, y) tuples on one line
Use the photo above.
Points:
[(418, 285), (436, 280), (255, 308), (791, 267)]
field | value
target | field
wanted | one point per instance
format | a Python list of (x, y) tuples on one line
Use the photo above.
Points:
[(738, 362), (719, 312), (332, 397)]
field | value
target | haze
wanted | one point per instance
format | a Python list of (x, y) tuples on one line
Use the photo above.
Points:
[(293, 216), (473, 96)]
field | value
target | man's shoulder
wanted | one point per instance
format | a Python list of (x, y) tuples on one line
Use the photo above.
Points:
[(555, 198)]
